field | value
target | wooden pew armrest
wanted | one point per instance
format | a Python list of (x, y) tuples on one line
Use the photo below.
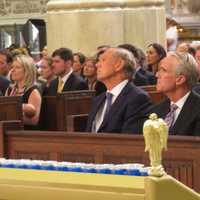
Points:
[(76, 122)]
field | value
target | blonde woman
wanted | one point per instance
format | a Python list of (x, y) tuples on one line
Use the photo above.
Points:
[(23, 74)]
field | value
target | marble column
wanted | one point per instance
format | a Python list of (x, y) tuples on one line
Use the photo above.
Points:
[(82, 25)]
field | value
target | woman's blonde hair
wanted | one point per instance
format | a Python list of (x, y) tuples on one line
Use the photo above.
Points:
[(29, 69)]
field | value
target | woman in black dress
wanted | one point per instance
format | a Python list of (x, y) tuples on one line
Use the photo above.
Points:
[(23, 74)]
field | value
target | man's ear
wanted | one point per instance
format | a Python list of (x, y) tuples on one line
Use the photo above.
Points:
[(180, 79), (119, 65)]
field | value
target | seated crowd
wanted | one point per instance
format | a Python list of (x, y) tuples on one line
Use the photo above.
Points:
[(116, 74)]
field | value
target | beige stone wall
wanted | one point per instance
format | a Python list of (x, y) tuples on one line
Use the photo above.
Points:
[(85, 24), (19, 11)]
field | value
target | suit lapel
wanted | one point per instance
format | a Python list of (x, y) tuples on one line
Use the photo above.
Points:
[(55, 86), (165, 108), (99, 103), (116, 105), (69, 83), (185, 115)]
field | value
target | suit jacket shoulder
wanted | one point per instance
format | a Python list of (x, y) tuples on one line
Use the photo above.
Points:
[(188, 121), (74, 82), (4, 83), (149, 75), (140, 79)]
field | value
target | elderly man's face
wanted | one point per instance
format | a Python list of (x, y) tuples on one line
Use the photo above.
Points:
[(197, 57), (166, 75), (106, 66)]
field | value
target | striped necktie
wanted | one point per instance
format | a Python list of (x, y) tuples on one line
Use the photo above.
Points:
[(170, 117), (109, 103)]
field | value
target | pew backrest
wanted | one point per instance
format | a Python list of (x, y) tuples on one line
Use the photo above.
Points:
[(56, 109)]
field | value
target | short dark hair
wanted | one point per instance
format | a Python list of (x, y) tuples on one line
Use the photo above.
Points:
[(130, 48), (7, 54), (81, 57), (192, 51), (64, 53)]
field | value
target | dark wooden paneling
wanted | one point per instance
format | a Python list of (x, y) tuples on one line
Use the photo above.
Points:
[(182, 159), (10, 108), (56, 110)]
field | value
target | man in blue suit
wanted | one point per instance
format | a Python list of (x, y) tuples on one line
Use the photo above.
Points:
[(122, 108)]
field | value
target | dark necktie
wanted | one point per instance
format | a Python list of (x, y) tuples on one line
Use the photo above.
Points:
[(169, 119), (109, 103)]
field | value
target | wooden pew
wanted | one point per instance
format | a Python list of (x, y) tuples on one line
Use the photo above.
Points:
[(156, 96), (148, 88), (5, 126), (153, 93), (57, 109), (182, 159), (10, 108)]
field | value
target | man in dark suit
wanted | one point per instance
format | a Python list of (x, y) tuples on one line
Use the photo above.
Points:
[(122, 108), (66, 80), (177, 75), (5, 63), (4, 83)]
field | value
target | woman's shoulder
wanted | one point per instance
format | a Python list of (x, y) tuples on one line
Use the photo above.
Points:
[(29, 91)]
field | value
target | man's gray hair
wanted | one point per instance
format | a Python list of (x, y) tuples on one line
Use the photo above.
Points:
[(130, 63), (188, 67)]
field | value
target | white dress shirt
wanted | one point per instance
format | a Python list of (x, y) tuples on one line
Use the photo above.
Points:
[(66, 76)]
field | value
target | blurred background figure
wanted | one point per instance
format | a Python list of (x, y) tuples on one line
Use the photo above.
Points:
[(155, 53), (197, 56), (142, 61), (79, 60), (192, 51), (5, 66), (5, 63), (182, 47), (171, 35), (47, 74), (90, 74), (43, 54), (141, 76)]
